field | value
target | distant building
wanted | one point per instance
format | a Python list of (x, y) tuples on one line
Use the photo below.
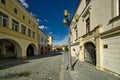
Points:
[(18, 31), (58, 48), (50, 43), (42, 43), (96, 35)]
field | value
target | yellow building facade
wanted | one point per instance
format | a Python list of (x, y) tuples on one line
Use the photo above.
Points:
[(18, 30), (50, 42)]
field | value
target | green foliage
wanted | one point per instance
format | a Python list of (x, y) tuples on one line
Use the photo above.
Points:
[(66, 48)]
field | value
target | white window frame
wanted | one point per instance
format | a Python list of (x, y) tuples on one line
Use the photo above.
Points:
[(15, 26), (6, 18)]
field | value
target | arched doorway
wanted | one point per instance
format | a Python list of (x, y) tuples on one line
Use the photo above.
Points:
[(30, 50), (42, 50), (9, 49), (90, 53)]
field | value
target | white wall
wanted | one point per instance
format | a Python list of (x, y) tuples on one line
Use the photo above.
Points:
[(111, 55)]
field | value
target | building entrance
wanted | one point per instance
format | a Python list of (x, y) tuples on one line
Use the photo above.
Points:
[(90, 53)]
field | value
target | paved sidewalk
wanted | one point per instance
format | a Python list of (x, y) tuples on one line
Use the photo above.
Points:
[(85, 71)]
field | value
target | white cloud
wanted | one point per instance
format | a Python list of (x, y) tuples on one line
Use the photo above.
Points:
[(46, 20), (50, 33), (38, 20), (64, 41), (23, 2), (43, 27)]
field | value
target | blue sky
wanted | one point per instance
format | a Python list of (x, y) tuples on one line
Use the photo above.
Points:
[(50, 16)]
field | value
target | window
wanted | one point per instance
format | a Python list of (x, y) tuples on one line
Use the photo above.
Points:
[(29, 21), (76, 34), (88, 25), (41, 39), (87, 2), (29, 32), (33, 35), (15, 10), (3, 1), (15, 25), (23, 17), (23, 29), (3, 20)]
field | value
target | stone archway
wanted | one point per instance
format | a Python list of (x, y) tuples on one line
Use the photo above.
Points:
[(31, 50), (42, 50), (9, 49), (90, 53)]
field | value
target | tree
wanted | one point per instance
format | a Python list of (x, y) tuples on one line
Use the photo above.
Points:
[(66, 48)]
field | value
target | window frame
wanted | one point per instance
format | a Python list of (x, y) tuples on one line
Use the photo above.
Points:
[(15, 25), (15, 11), (2, 18), (33, 34), (88, 25), (3, 1), (23, 29), (29, 32)]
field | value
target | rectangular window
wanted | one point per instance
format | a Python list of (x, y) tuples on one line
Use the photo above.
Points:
[(23, 17), (3, 1), (88, 25), (15, 10), (33, 35), (29, 32), (76, 34), (23, 29), (3, 20), (29, 21), (15, 25), (41, 39)]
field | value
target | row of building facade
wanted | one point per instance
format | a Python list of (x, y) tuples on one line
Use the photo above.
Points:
[(19, 33), (96, 35)]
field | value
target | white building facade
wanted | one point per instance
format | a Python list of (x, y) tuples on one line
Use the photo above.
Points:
[(98, 33)]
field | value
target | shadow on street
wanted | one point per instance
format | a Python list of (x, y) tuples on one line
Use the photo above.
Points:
[(7, 63)]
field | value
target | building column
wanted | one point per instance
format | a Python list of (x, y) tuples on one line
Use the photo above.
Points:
[(81, 50), (23, 54), (98, 52)]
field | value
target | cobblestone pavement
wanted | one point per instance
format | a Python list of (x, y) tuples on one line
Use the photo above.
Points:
[(34, 68), (85, 71)]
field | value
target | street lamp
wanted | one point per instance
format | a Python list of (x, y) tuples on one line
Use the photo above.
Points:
[(66, 21)]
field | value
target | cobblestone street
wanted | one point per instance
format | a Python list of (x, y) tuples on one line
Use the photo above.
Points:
[(34, 68), (50, 67)]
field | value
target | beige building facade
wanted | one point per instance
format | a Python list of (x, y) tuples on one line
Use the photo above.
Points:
[(42, 43), (50, 42), (98, 33), (18, 31)]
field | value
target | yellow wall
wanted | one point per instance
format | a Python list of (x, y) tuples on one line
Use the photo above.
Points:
[(16, 34), (9, 8)]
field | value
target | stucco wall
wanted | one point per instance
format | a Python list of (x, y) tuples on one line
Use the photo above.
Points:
[(111, 55)]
